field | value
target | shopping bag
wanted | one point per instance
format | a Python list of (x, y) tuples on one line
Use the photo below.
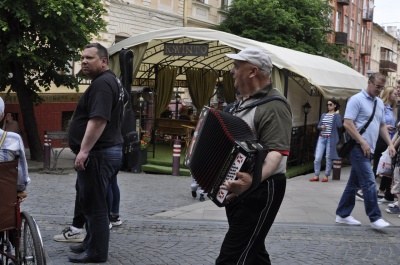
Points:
[(385, 165)]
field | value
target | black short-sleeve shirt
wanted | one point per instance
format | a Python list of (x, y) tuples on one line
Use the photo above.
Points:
[(104, 99)]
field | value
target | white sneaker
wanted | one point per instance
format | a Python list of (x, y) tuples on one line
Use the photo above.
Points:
[(115, 221), (349, 220), (379, 224), (68, 236), (391, 205), (384, 201)]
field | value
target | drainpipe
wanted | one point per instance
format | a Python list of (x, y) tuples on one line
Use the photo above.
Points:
[(185, 13)]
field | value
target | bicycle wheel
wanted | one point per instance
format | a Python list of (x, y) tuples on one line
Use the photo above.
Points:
[(31, 247)]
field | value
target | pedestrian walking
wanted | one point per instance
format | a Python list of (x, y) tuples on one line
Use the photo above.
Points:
[(95, 137), (251, 218), (366, 112), (389, 98)]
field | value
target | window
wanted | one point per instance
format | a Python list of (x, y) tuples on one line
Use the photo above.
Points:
[(225, 4), (363, 35), (338, 18), (388, 55), (358, 34), (119, 38), (346, 23), (351, 30)]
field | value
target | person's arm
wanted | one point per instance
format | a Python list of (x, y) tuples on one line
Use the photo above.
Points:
[(384, 133), (396, 140), (94, 129), (23, 175), (244, 179)]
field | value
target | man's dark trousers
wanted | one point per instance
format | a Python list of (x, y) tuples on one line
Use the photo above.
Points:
[(79, 219), (250, 220), (93, 183)]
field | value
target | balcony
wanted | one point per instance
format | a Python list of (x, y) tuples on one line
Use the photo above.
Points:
[(365, 50), (341, 38), (343, 2), (368, 14), (387, 66)]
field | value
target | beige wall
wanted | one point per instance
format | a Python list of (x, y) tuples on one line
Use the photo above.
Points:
[(380, 38), (204, 13), (130, 18)]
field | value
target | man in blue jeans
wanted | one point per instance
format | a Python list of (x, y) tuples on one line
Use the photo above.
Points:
[(95, 137), (358, 111)]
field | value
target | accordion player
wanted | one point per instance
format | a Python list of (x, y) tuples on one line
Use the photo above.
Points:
[(221, 145)]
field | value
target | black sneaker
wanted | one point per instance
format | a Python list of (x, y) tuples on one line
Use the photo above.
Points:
[(115, 221), (359, 196), (395, 210)]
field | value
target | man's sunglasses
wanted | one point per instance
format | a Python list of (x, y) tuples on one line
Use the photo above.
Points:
[(377, 86)]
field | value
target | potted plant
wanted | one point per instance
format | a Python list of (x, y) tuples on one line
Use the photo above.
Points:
[(144, 143)]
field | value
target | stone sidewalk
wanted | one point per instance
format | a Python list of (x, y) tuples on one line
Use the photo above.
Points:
[(305, 202), (163, 224)]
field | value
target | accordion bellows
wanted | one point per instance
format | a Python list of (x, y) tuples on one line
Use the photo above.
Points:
[(221, 145)]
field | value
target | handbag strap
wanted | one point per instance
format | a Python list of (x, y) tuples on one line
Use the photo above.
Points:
[(370, 119), (3, 137)]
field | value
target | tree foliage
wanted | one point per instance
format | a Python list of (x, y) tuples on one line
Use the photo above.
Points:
[(39, 40), (301, 25)]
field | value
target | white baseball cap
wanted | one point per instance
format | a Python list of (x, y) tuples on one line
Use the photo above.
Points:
[(254, 56)]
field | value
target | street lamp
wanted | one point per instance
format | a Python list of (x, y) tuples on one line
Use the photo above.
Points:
[(306, 110), (141, 101)]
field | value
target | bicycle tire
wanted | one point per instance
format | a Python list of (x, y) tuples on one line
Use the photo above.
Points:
[(32, 251)]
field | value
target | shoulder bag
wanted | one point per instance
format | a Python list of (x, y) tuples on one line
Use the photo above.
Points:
[(345, 148)]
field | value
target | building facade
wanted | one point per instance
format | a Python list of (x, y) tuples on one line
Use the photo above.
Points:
[(385, 48), (352, 26)]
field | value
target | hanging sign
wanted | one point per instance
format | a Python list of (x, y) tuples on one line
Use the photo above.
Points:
[(185, 49)]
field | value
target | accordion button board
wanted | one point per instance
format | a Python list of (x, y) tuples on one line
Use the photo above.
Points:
[(221, 145)]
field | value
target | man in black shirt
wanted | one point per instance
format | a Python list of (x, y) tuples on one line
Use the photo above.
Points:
[(95, 137)]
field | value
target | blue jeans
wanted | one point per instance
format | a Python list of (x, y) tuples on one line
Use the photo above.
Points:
[(361, 175), (322, 144), (114, 196), (93, 184)]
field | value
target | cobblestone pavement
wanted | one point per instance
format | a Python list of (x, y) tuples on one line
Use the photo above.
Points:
[(145, 239)]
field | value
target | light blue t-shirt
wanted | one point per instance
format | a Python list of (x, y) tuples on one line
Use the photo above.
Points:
[(359, 109), (390, 119)]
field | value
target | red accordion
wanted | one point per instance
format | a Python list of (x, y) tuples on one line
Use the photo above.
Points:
[(221, 145)]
